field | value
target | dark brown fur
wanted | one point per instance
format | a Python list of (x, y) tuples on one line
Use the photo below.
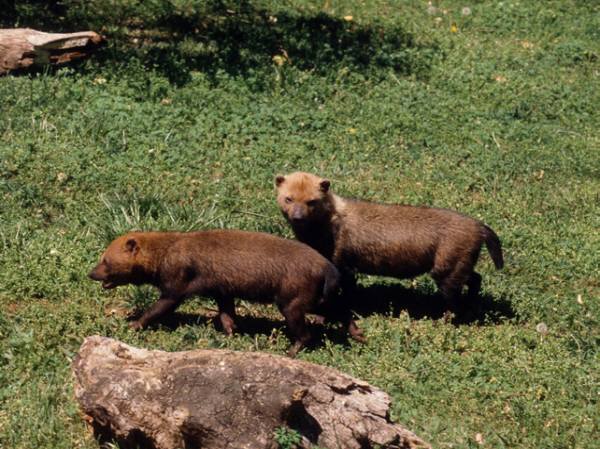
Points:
[(382, 239), (224, 265)]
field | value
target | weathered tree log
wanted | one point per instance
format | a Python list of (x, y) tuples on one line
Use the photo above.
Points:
[(21, 48), (227, 399)]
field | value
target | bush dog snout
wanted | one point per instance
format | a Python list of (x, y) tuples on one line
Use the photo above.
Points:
[(223, 264), (384, 239)]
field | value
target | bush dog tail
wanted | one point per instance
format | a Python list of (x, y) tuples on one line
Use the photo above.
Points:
[(494, 246)]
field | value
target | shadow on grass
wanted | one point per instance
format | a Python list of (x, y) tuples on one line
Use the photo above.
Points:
[(250, 43), (375, 299), (253, 325), (237, 38), (395, 299)]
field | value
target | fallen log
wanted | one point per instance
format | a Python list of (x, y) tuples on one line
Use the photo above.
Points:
[(227, 399), (21, 48)]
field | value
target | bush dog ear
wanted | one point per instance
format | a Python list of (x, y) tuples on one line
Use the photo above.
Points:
[(324, 185), (132, 246), (279, 180)]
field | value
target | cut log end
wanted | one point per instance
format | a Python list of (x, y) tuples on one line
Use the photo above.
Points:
[(22, 48), (226, 399)]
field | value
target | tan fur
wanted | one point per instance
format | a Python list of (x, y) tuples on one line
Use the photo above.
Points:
[(222, 264), (383, 239)]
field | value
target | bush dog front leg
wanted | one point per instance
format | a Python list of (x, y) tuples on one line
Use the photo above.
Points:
[(161, 307)]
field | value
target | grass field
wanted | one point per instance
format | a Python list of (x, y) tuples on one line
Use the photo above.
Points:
[(493, 111)]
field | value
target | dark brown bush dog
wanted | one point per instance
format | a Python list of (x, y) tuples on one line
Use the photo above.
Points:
[(224, 265), (390, 240)]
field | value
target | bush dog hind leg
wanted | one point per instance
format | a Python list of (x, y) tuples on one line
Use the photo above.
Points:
[(227, 315), (337, 308), (294, 315), (348, 296)]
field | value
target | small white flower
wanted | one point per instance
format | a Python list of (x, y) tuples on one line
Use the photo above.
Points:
[(542, 328), (466, 11), (479, 438)]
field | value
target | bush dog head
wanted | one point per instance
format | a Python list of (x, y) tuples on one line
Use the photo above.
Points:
[(303, 198), (224, 264), (120, 264), (386, 239)]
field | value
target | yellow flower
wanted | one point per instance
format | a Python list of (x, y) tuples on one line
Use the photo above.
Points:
[(348, 18), (453, 28), (526, 44), (279, 60)]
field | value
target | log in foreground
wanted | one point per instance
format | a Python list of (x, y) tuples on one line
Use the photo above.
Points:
[(21, 48), (227, 399)]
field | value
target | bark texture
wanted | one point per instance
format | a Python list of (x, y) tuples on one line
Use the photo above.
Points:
[(21, 48), (227, 399)]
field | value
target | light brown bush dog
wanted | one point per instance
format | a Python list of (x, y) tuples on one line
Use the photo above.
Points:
[(383, 239), (222, 264)]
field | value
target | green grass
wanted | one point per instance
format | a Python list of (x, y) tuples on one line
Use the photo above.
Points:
[(499, 120)]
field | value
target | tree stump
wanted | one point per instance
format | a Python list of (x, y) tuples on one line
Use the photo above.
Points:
[(21, 48), (227, 399)]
